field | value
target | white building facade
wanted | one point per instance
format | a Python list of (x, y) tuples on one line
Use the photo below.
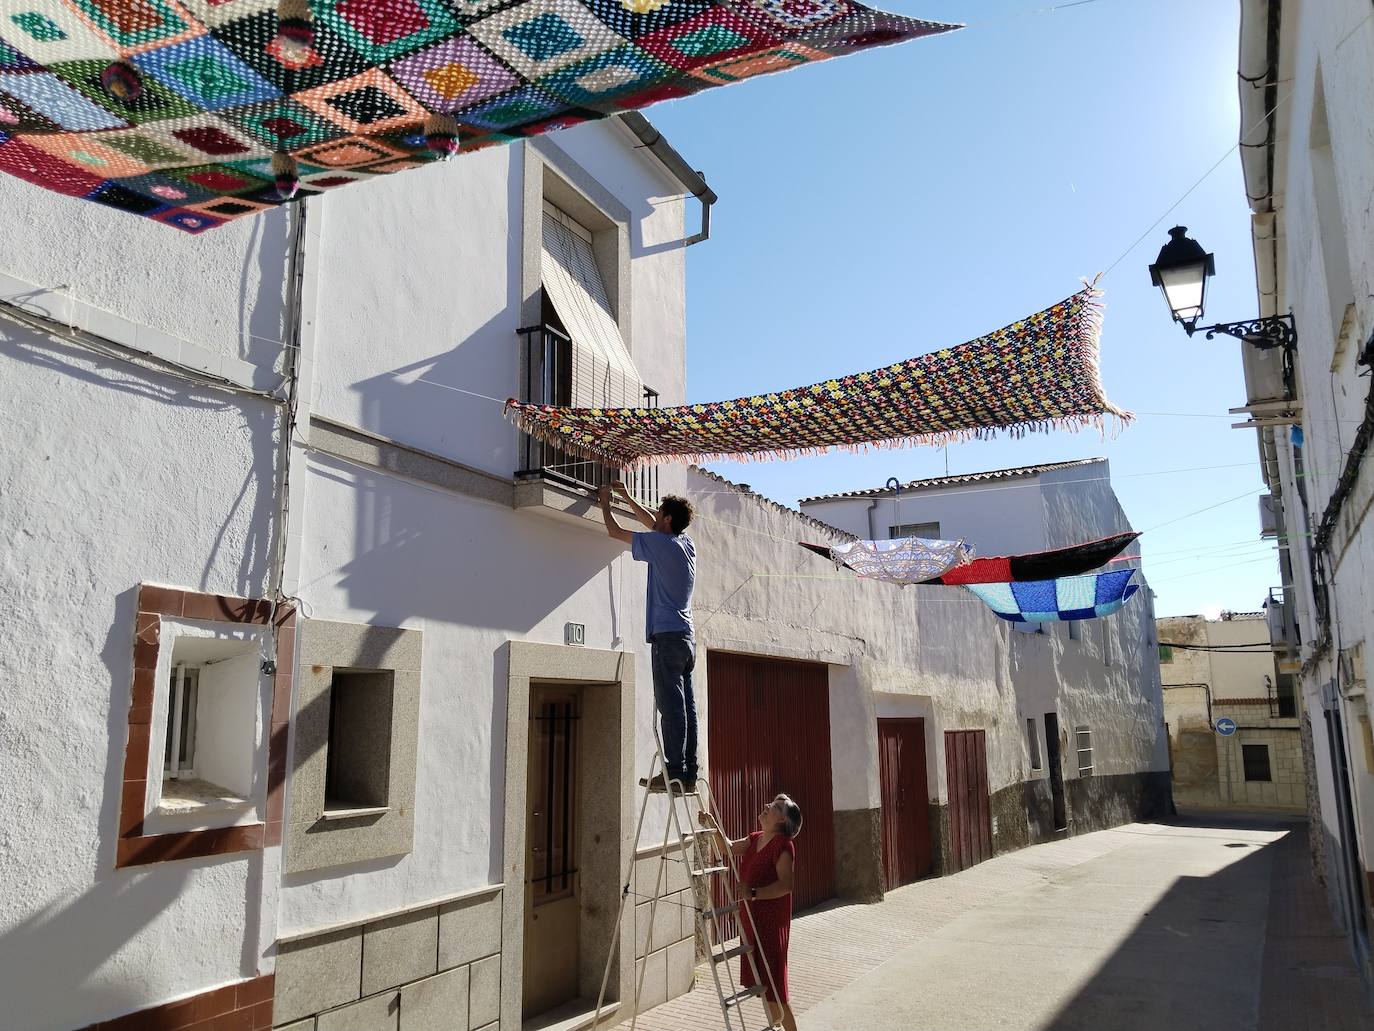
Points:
[(309, 612), (1307, 101), (1076, 738)]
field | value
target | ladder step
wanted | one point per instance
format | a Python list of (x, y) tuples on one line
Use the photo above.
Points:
[(720, 911), (709, 871), (741, 997), (721, 953)]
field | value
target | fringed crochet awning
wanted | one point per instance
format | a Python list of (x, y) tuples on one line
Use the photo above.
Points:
[(194, 112), (1039, 373), (1069, 597), (1039, 565)]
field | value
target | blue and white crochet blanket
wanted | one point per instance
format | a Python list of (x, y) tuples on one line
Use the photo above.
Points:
[(1068, 597)]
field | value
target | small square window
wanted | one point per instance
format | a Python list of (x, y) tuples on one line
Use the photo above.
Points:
[(1256, 760), (927, 531), (207, 714), (358, 769), (1083, 740), (1075, 631), (1033, 739), (1166, 654)]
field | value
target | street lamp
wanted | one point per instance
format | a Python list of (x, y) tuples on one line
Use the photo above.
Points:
[(1181, 272)]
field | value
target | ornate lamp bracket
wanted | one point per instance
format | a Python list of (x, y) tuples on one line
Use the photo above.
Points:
[(1271, 331)]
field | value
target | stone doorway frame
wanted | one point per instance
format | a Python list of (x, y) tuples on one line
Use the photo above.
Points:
[(605, 820)]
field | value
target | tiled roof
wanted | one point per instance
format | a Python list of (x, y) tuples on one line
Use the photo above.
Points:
[(949, 481)]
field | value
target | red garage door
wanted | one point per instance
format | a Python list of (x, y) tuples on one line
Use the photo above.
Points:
[(906, 803), (769, 731), (970, 818)]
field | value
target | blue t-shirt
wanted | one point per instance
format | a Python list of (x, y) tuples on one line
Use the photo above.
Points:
[(672, 575)]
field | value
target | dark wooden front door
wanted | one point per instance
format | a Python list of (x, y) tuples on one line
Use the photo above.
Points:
[(906, 808), (769, 732), (970, 818), (1054, 752)]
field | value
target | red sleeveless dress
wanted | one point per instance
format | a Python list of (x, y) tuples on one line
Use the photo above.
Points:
[(772, 917)]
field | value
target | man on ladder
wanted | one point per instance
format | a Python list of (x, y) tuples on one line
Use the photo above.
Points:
[(672, 561)]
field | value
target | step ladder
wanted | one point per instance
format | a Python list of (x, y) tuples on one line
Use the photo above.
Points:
[(700, 855)]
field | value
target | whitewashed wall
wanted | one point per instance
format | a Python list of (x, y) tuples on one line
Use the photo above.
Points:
[(114, 475), (420, 290), (918, 651), (1329, 43)]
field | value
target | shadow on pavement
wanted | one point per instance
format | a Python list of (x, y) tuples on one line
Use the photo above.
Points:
[(1189, 962)]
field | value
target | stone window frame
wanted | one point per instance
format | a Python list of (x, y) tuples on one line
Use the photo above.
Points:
[(319, 841), (134, 846)]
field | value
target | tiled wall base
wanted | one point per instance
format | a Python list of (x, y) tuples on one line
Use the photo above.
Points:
[(670, 962), (437, 967), (246, 1006)]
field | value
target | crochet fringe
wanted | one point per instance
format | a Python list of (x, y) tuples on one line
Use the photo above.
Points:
[(1086, 338)]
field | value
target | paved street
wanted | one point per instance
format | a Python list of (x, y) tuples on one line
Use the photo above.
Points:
[(1208, 923)]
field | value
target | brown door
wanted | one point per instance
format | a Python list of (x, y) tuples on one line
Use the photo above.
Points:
[(906, 808), (970, 818), (551, 883), (769, 732)]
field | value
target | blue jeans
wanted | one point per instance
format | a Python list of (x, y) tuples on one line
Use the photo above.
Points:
[(673, 658)]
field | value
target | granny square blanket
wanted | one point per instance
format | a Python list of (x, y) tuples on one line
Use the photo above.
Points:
[(1038, 373), (1069, 597), (195, 112)]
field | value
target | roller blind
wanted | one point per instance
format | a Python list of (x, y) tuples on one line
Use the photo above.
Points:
[(603, 373)]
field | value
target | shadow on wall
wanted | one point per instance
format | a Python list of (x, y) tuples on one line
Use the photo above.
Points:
[(259, 424), (422, 552), (63, 945)]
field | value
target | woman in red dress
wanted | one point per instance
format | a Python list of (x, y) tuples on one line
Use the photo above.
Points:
[(765, 860)]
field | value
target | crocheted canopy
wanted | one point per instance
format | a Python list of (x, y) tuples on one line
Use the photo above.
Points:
[(905, 560), (1036, 374), (194, 112), (1038, 565), (1069, 597)]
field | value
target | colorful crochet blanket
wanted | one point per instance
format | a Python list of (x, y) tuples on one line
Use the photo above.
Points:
[(194, 112), (1036, 374), (1039, 565), (1065, 598), (906, 560)]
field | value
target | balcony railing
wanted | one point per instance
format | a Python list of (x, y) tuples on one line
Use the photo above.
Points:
[(1281, 616), (552, 375)]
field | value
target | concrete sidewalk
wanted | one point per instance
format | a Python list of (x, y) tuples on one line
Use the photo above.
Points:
[(1201, 924)]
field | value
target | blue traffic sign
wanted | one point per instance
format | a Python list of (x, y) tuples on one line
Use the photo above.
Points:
[(1226, 726)]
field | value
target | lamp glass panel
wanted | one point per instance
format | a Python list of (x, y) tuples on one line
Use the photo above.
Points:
[(1183, 288)]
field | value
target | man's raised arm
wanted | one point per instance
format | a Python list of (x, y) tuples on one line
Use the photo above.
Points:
[(641, 513), (612, 527)]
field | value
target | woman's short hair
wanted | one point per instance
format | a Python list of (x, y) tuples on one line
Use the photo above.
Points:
[(791, 815)]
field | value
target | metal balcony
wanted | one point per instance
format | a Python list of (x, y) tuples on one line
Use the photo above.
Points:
[(549, 476)]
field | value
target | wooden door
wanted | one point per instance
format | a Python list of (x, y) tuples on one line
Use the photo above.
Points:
[(906, 802), (551, 882), (970, 817), (769, 732)]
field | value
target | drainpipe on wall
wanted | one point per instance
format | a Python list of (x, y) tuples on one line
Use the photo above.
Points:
[(673, 161)]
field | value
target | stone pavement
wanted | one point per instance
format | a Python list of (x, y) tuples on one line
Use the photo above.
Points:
[(1204, 923)]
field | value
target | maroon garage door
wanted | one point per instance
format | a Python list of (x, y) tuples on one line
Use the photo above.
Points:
[(769, 731), (970, 820), (906, 803)]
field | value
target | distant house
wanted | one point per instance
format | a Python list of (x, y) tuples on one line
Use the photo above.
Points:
[(1209, 676)]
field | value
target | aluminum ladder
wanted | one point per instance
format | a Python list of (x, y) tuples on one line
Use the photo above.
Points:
[(699, 853)]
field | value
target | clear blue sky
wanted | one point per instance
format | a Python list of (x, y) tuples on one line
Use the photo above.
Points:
[(911, 197)]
